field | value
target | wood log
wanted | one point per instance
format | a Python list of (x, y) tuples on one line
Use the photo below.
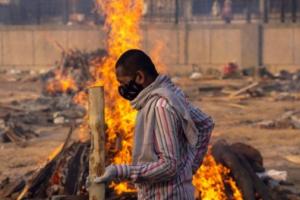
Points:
[(73, 174), (253, 156), (222, 153), (15, 138), (259, 187), (68, 197), (36, 185), (97, 152), (245, 177), (12, 188)]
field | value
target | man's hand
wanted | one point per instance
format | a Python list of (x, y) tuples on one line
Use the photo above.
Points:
[(109, 175)]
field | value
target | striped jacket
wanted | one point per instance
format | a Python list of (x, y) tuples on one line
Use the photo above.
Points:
[(170, 177)]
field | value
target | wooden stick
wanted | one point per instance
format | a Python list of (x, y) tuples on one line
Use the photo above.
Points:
[(244, 89), (97, 153), (42, 172)]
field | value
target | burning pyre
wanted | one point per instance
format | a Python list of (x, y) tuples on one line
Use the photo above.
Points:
[(122, 24)]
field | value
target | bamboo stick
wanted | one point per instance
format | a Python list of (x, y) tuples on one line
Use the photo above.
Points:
[(97, 153)]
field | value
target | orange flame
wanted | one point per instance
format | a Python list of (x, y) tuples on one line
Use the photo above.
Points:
[(210, 178), (155, 53), (122, 19), (55, 152), (61, 84), (122, 23)]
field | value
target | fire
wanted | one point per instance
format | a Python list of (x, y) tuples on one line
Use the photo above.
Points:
[(54, 153), (61, 84), (81, 99), (122, 23), (155, 53), (210, 181), (122, 19)]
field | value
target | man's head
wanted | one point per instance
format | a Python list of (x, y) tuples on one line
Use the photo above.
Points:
[(135, 71)]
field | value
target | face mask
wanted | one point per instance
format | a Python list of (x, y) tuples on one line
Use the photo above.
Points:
[(130, 90)]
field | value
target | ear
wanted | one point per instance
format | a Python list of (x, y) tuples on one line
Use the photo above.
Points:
[(140, 77)]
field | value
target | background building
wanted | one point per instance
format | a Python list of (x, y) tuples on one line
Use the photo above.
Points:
[(191, 32), (206, 11)]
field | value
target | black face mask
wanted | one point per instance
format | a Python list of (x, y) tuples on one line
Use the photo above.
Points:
[(131, 90)]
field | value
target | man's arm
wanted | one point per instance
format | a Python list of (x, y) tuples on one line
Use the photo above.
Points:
[(165, 145), (205, 126)]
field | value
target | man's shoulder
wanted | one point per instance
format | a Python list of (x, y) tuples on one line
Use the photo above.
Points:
[(162, 102)]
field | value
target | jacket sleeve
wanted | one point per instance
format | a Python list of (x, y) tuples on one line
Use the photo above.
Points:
[(165, 146), (205, 125)]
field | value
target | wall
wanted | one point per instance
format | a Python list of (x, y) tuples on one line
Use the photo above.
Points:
[(281, 47), (182, 46), (39, 46), (203, 46)]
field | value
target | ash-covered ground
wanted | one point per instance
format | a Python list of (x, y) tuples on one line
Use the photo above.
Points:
[(253, 119)]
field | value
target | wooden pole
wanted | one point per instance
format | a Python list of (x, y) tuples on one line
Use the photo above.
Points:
[(97, 153)]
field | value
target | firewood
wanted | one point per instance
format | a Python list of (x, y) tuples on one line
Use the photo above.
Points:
[(20, 141), (35, 187), (72, 183), (97, 155), (11, 188), (16, 131), (4, 182), (253, 156), (76, 64), (259, 187), (222, 153), (243, 90), (68, 197), (245, 177)]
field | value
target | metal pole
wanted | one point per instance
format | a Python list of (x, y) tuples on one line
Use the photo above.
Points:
[(188, 10), (264, 11), (294, 10), (176, 11), (282, 11), (248, 11)]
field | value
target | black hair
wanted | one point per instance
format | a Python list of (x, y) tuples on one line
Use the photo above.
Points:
[(134, 60)]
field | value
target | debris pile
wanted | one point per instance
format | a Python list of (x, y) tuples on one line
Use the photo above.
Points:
[(283, 82), (246, 167), (14, 130), (284, 86), (290, 119), (57, 105), (72, 72), (65, 174)]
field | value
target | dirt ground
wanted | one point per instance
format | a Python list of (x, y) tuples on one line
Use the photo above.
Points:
[(234, 122)]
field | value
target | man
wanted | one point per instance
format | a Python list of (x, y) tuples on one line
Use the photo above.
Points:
[(171, 136), (216, 8), (227, 11)]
